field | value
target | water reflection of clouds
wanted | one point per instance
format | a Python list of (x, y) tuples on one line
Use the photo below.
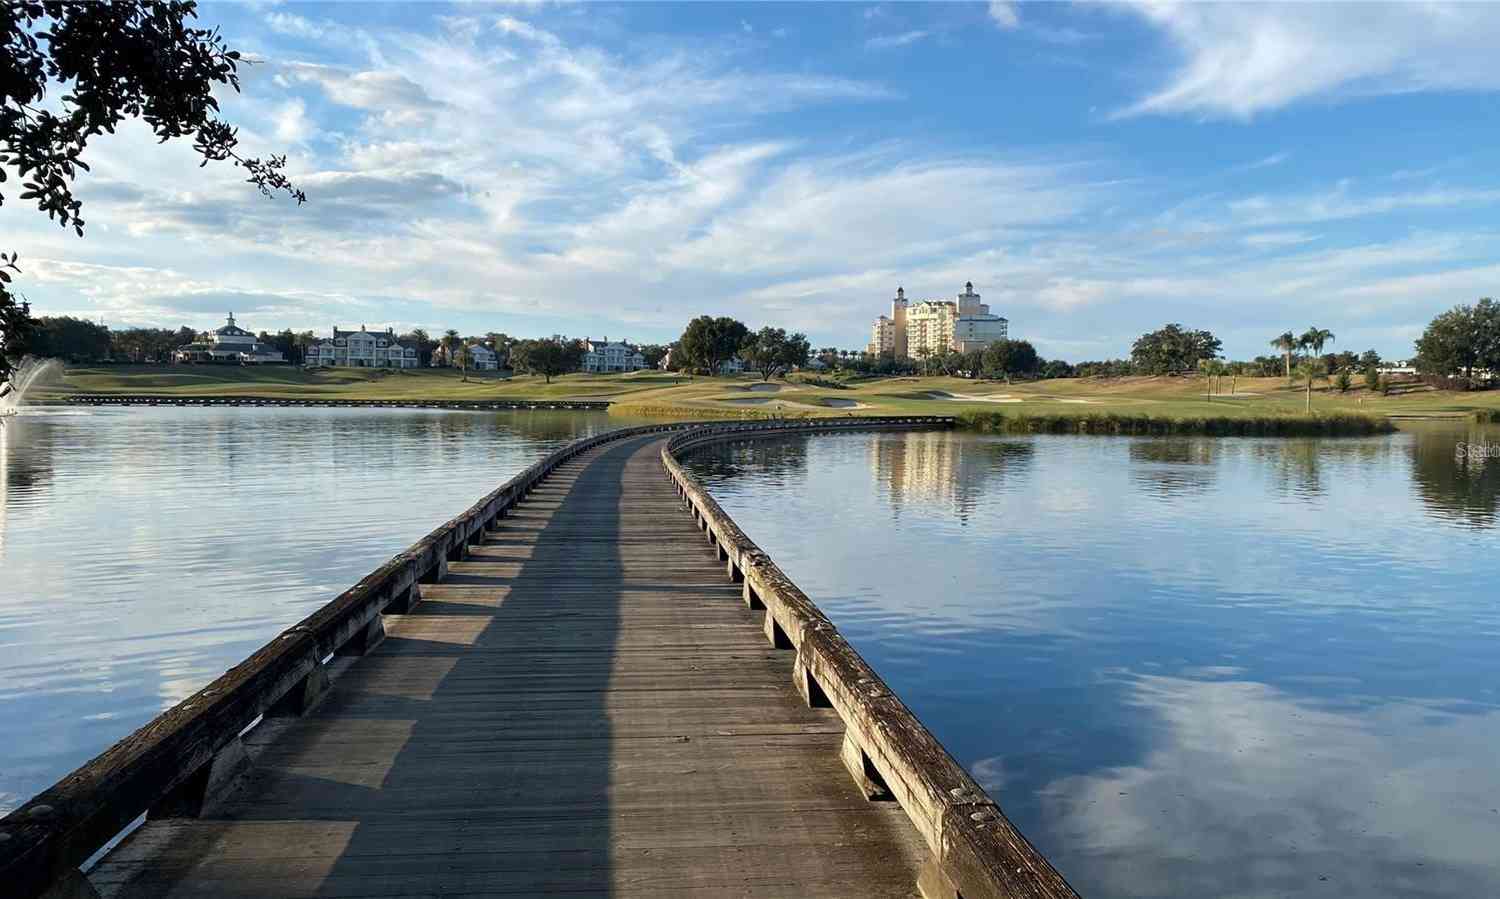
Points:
[(1246, 790), (1304, 629), (144, 551)]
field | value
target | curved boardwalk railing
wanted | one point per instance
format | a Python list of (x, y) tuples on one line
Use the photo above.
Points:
[(171, 766), (976, 851), (172, 399)]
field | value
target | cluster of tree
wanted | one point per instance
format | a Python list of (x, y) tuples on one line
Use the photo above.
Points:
[(653, 353), (772, 352), (548, 357), (1462, 342), (108, 62), (1311, 344), (66, 337), (149, 344), (1104, 368), (707, 343), (866, 364), (1172, 349)]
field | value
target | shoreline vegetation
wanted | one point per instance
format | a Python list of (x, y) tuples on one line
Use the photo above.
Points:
[(1337, 424), (1123, 405)]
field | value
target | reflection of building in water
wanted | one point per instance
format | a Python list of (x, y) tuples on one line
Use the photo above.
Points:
[(943, 467)]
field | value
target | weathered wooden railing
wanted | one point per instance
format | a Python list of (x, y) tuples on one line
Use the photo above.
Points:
[(174, 763), (976, 852)]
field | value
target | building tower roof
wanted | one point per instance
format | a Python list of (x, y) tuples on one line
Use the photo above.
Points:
[(232, 330)]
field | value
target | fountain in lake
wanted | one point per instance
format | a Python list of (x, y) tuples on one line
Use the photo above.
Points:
[(29, 372)]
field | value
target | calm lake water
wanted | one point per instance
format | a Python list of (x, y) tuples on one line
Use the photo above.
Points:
[(144, 551), (1185, 667)]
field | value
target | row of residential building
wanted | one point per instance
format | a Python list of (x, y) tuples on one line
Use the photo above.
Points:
[(232, 344), (931, 327)]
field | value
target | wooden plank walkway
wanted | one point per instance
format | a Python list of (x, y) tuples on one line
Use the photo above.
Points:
[(583, 707)]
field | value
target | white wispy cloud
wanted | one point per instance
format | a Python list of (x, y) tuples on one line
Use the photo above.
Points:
[(1344, 202), (1240, 59), (1003, 13), (1275, 239), (884, 41), (516, 172), (1266, 162)]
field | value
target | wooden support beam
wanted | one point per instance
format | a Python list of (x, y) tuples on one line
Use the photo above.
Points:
[(191, 797), (368, 638), (301, 698)]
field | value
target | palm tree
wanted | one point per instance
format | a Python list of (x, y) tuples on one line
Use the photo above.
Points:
[(1209, 369), (1286, 342), (465, 356), (1310, 369), (451, 342), (1314, 339)]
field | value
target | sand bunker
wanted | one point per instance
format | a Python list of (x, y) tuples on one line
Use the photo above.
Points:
[(844, 404), (1084, 402), (971, 398), (767, 400), (762, 386)]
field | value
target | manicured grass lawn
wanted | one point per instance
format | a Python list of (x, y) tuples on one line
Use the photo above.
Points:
[(287, 382), (658, 393)]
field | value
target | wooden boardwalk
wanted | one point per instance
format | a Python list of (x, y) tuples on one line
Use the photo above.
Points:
[(582, 707)]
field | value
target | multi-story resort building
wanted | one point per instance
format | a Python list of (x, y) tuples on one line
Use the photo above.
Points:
[(230, 344), (602, 355), (930, 327), (363, 349)]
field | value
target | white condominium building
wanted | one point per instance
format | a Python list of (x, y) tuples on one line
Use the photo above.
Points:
[(602, 355), (363, 349), (931, 327), (482, 358)]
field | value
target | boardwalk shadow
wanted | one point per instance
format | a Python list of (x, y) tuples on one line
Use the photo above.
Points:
[(492, 717)]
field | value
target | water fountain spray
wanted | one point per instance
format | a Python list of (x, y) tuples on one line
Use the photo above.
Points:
[(29, 372)]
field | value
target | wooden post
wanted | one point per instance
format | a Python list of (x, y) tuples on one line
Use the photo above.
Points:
[(932, 883), (190, 798), (364, 641), (300, 699), (869, 781), (752, 599)]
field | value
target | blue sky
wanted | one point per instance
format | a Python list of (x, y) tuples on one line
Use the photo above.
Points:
[(613, 169)]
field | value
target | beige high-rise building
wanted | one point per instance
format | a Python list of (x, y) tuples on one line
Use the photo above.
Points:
[(932, 327), (889, 333)]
